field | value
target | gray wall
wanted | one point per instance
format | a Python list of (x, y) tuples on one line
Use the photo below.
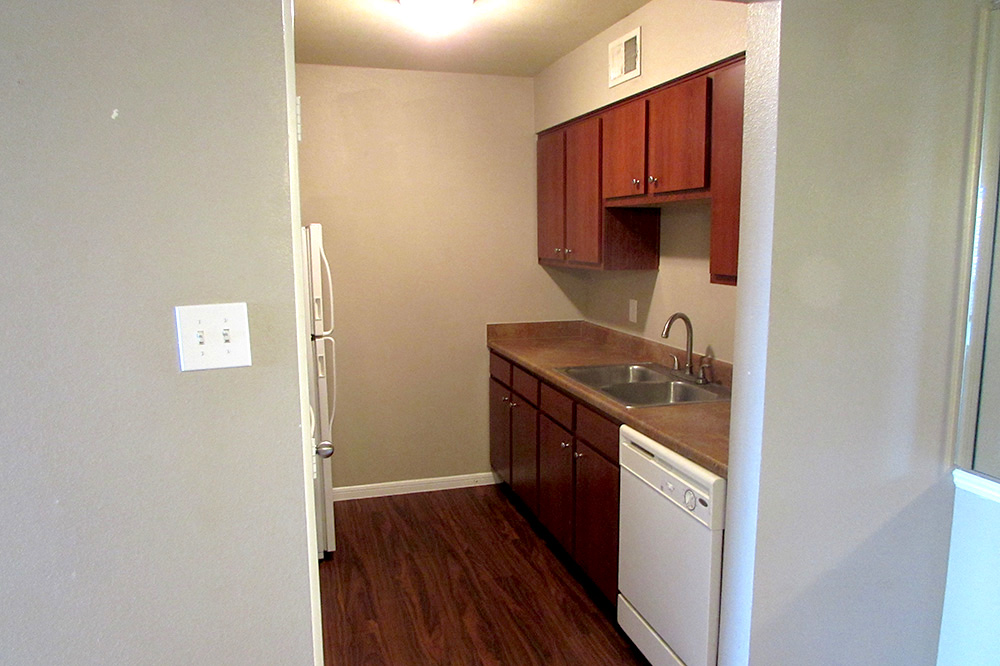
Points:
[(842, 445), (148, 516)]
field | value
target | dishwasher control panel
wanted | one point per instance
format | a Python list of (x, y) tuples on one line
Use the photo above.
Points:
[(688, 485)]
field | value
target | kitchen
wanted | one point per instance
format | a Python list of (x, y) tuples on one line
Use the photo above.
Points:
[(825, 294), (443, 166)]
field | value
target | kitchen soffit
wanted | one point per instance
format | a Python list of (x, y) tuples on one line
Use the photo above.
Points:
[(508, 37)]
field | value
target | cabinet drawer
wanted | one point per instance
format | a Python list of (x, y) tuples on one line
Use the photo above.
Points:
[(557, 406), (500, 368), (526, 385), (598, 431)]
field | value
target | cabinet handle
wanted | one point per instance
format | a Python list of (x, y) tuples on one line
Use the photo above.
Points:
[(505, 399), (569, 251), (513, 404), (577, 454), (653, 180), (565, 445), (636, 182), (558, 250)]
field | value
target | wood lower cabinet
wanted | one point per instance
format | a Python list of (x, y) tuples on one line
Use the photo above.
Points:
[(555, 480), (562, 461), (500, 429), (524, 451), (595, 520)]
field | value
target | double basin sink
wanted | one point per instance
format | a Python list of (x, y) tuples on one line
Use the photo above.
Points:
[(646, 384)]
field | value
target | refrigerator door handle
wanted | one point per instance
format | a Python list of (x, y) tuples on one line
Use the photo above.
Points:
[(327, 291)]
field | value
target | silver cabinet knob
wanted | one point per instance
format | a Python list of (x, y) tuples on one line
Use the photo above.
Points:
[(653, 180), (565, 445), (513, 404), (507, 399), (569, 251), (324, 449), (577, 454), (558, 250), (636, 182)]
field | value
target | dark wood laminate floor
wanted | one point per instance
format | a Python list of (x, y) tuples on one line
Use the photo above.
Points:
[(455, 577)]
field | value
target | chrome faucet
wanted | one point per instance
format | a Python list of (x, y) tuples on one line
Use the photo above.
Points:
[(689, 347)]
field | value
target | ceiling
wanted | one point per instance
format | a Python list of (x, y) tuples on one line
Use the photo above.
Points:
[(510, 37)]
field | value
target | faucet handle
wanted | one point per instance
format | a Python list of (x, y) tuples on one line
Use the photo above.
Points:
[(706, 372)]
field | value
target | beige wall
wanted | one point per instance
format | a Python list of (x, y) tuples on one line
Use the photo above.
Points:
[(425, 184), (678, 36), (680, 285), (842, 452), (148, 516)]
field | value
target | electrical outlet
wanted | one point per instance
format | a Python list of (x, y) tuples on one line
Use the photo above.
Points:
[(633, 310), (212, 336)]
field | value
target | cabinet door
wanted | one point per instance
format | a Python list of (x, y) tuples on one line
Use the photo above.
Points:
[(500, 430), (555, 480), (584, 209), (596, 519), (727, 160), (524, 451), (678, 137), (624, 150), (551, 196)]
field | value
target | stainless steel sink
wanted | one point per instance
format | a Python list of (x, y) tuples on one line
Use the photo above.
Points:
[(645, 384)]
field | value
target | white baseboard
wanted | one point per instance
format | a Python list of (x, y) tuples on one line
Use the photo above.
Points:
[(988, 489), (413, 486)]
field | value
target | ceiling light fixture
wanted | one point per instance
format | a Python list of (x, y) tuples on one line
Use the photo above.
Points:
[(437, 18)]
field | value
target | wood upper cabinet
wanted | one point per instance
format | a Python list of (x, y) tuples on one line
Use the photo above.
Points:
[(603, 177), (570, 209), (595, 524), (551, 156), (500, 429), (584, 208), (574, 228), (623, 171), (727, 158), (555, 480), (678, 137), (658, 144)]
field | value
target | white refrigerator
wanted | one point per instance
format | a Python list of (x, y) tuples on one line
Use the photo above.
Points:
[(322, 380)]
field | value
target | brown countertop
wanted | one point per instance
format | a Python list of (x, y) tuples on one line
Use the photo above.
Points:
[(698, 431)]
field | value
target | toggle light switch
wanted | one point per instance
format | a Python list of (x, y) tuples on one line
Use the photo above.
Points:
[(212, 336)]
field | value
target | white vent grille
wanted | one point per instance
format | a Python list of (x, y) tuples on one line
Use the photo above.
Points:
[(624, 58)]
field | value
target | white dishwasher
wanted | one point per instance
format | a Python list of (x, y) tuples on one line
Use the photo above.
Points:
[(670, 553)]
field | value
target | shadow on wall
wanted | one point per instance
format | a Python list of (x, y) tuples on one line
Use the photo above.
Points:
[(603, 296), (833, 623)]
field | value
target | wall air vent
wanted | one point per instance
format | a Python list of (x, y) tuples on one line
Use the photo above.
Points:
[(623, 58)]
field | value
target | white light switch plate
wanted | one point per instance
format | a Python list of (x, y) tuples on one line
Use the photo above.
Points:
[(213, 336)]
